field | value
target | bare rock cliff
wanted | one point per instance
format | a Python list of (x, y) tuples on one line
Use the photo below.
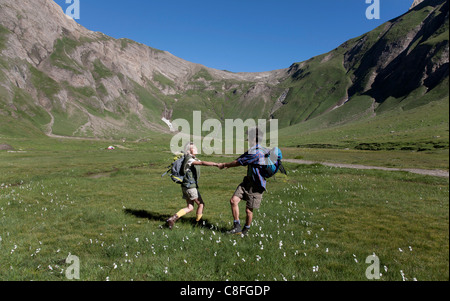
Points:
[(89, 70)]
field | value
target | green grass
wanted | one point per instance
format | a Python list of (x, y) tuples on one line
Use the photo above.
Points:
[(63, 197), (164, 81), (66, 124), (407, 23), (204, 74), (427, 124), (60, 57), (317, 86), (153, 102), (436, 159), (82, 92), (3, 36), (48, 86), (101, 71)]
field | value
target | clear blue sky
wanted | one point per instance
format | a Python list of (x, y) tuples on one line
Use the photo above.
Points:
[(237, 35)]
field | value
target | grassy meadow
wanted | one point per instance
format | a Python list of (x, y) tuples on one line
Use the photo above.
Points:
[(74, 197), (63, 197)]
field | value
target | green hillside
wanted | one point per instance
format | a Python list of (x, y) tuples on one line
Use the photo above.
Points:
[(398, 69), (394, 129), (384, 115)]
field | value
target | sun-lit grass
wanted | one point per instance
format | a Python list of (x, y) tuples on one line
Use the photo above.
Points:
[(435, 159), (64, 197)]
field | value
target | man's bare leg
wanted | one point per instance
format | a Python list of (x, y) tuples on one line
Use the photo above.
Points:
[(235, 211)]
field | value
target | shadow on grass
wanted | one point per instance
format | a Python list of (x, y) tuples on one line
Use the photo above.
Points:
[(205, 224)]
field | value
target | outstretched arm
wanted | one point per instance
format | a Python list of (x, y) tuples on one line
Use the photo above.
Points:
[(205, 163)]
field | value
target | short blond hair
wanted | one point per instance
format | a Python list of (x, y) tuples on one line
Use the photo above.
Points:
[(188, 147)]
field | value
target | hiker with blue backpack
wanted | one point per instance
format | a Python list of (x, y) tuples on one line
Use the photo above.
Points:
[(185, 171), (261, 164)]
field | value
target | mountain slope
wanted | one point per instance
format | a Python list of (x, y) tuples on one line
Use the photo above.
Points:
[(84, 83), (59, 78), (408, 55)]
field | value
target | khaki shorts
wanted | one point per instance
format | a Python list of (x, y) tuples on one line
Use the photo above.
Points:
[(190, 194), (253, 196)]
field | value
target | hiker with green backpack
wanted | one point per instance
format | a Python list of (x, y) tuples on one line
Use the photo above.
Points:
[(185, 171), (262, 163)]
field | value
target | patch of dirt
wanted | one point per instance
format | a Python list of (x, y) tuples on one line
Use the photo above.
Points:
[(103, 174), (6, 147), (99, 175)]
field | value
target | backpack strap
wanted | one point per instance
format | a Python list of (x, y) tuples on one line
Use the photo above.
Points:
[(185, 161), (190, 176), (282, 169)]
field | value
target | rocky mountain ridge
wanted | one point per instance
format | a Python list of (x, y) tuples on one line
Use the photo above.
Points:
[(62, 79)]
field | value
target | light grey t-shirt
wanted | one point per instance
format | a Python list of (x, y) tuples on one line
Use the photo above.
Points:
[(189, 163)]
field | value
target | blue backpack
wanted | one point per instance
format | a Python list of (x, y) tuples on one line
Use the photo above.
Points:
[(272, 160)]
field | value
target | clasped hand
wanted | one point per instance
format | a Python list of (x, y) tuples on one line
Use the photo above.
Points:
[(221, 166)]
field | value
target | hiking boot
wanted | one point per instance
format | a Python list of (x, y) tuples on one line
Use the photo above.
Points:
[(171, 221), (200, 223), (245, 231), (236, 230)]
